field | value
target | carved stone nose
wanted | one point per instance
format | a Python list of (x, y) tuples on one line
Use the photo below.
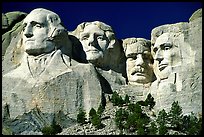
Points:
[(139, 60), (28, 35)]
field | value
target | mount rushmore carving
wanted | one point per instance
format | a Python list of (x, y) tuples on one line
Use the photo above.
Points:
[(53, 72)]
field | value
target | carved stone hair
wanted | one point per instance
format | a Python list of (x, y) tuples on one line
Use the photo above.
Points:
[(54, 22), (106, 28), (130, 41)]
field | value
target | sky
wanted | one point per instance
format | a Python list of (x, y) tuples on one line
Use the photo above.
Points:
[(128, 19)]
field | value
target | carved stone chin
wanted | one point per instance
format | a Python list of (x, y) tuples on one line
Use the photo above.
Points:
[(139, 61)]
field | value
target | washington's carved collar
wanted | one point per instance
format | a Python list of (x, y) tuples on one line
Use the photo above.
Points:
[(38, 64)]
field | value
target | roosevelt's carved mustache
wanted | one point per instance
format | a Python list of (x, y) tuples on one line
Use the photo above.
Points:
[(137, 70), (94, 50)]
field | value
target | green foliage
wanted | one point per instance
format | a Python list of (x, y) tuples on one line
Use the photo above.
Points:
[(100, 110), (121, 116), (192, 125), (51, 130), (175, 116), (126, 100), (141, 131), (142, 103), (135, 108), (131, 124), (162, 129), (162, 117), (150, 101), (96, 121), (92, 112), (133, 119), (162, 120), (117, 100), (152, 128), (95, 117), (81, 116)]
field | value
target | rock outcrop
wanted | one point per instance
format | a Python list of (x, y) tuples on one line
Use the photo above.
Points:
[(50, 80)]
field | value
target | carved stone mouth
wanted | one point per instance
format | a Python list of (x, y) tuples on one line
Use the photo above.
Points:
[(94, 50), (29, 40), (162, 66), (139, 73)]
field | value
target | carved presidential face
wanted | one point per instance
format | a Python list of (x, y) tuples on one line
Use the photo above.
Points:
[(166, 55), (35, 34), (139, 63), (94, 42)]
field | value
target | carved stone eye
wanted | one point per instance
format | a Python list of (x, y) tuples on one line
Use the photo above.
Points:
[(155, 50), (84, 38), (100, 38), (167, 46), (38, 26)]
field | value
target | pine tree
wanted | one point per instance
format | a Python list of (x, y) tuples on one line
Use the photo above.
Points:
[(175, 116), (116, 99), (81, 116), (150, 101), (92, 112), (100, 110), (96, 121), (131, 124), (135, 108), (162, 120), (153, 128), (121, 117), (126, 100), (192, 125)]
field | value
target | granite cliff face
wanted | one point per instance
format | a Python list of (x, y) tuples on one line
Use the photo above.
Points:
[(63, 71)]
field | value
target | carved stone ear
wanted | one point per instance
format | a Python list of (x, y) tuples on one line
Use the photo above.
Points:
[(111, 44), (111, 38), (53, 19)]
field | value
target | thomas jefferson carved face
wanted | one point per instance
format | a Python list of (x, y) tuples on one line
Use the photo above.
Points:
[(94, 42), (166, 55), (36, 32), (139, 62)]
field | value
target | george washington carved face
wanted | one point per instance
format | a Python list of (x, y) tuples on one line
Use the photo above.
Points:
[(39, 25)]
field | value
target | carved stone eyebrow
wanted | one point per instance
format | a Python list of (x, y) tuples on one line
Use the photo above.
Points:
[(131, 55), (34, 23), (165, 45), (84, 34)]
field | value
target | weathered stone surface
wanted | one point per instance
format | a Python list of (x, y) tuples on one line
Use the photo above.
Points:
[(38, 75), (180, 83), (42, 86), (100, 46), (139, 63), (11, 26), (195, 15)]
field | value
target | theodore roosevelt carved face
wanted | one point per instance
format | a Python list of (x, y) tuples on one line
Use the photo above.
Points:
[(139, 60)]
